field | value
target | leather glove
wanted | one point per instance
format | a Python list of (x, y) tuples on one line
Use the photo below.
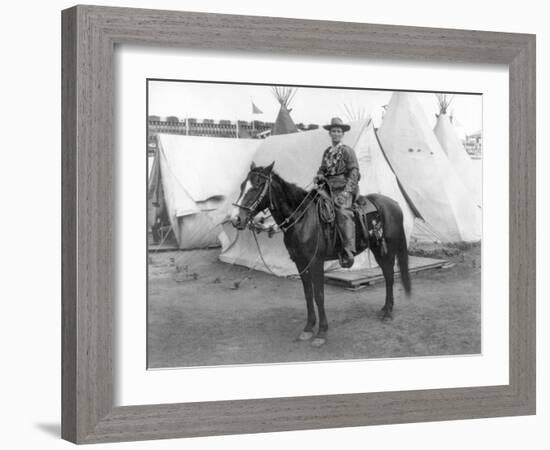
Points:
[(319, 179), (342, 198)]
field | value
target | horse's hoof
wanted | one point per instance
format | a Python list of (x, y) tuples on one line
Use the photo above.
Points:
[(385, 314), (305, 336), (318, 342)]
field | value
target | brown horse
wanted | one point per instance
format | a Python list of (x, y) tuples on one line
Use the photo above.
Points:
[(310, 242)]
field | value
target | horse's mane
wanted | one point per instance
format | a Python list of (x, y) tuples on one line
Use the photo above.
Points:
[(292, 192)]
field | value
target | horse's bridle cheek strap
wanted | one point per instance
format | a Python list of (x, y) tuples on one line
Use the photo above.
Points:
[(267, 186)]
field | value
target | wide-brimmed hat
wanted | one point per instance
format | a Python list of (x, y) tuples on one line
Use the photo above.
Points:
[(336, 122)]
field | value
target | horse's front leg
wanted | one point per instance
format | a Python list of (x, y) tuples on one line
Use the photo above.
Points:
[(305, 275), (318, 279)]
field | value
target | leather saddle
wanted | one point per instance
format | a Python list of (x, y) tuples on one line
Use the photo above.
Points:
[(368, 220), (368, 223)]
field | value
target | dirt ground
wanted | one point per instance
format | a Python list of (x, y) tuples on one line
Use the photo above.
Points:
[(202, 312)]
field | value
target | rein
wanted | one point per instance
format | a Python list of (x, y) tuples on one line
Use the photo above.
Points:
[(308, 264), (286, 224)]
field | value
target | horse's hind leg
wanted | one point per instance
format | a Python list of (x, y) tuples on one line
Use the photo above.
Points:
[(318, 278), (308, 293), (386, 263), (388, 271)]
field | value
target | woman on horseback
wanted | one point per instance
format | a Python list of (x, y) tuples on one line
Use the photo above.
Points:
[(340, 170)]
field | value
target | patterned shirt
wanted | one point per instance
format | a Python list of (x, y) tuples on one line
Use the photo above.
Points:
[(340, 164)]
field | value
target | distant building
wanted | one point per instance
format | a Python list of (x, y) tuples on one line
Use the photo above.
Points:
[(210, 128), (473, 143)]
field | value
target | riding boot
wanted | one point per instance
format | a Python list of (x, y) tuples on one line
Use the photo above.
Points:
[(347, 230), (348, 245)]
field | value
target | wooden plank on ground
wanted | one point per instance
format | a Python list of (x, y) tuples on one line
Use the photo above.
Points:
[(357, 279), (163, 248)]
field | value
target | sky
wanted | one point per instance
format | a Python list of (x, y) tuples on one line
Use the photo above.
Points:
[(310, 104)]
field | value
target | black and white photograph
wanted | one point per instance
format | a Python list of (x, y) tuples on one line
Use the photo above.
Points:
[(290, 224), (275, 225)]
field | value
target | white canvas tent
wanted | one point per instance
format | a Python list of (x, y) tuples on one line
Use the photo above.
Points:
[(447, 136), (425, 172), (377, 176), (297, 158), (198, 178)]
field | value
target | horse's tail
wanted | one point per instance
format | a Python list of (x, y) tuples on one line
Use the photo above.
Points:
[(403, 261)]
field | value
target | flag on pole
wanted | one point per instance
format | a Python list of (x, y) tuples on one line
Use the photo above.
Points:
[(256, 110)]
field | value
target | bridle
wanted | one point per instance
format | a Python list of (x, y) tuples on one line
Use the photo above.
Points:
[(251, 210), (288, 223)]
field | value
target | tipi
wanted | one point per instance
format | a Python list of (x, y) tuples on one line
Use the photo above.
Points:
[(450, 142), (426, 173), (284, 123), (355, 113), (297, 158), (193, 181)]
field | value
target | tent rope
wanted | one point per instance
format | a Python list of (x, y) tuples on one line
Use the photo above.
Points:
[(422, 224), (156, 250)]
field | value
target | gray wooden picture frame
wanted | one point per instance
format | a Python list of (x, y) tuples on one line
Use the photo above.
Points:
[(90, 34)]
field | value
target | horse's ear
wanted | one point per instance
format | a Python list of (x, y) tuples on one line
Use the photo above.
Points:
[(252, 165), (269, 168)]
